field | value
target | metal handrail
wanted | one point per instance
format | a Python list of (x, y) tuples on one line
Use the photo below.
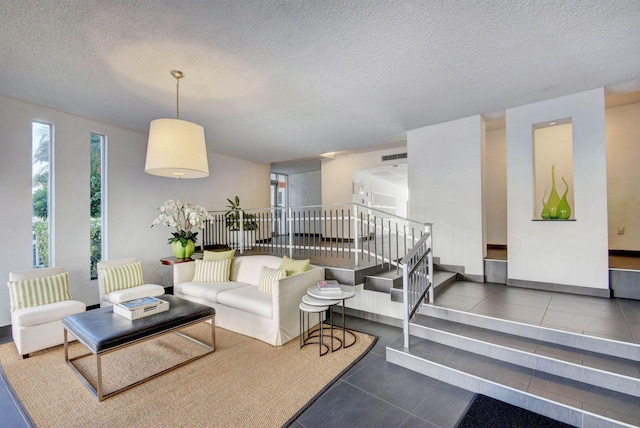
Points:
[(347, 229), (417, 280)]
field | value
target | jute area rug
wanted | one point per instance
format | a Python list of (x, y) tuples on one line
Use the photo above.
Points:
[(245, 383)]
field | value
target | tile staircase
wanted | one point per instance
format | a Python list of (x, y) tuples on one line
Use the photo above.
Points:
[(383, 279), (581, 380)]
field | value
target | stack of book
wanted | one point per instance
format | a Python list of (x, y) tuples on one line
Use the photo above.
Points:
[(329, 286), (140, 308)]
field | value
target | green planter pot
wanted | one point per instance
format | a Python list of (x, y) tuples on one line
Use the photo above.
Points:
[(183, 252)]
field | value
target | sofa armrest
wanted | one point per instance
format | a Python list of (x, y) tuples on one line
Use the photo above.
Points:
[(287, 294), (183, 272)]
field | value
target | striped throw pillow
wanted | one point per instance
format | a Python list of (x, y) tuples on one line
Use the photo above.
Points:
[(120, 277), (27, 293), (212, 270), (268, 276)]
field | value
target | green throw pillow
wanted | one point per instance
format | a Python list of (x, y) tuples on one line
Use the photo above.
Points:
[(120, 277), (294, 266), (218, 255), (27, 293), (268, 276), (212, 270)]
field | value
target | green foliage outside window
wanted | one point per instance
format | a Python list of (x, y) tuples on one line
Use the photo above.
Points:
[(96, 245), (41, 134), (41, 236), (95, 200)]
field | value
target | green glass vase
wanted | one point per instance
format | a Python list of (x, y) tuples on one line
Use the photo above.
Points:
[(545, 209), (181, 252), (554, 198), (564, 209)]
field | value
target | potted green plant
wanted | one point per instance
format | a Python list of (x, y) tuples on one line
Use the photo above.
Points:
[(239, 222)]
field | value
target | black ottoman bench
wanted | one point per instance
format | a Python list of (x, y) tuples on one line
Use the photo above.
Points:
[(101, 332)]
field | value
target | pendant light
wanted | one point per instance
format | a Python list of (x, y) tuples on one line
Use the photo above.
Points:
[(176, 147)]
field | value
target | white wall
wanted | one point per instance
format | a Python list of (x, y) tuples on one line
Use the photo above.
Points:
[(623, 176), (494, 186), (305, 189), (398, 189), (559, 252), (337, 174), (132, 196), (445, 188)]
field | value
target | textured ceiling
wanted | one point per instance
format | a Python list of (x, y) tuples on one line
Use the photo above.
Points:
[(278, 80)]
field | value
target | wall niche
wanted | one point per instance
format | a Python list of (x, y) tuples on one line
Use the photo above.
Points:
[(553, 170)]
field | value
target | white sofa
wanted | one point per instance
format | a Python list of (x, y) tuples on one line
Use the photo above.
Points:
[(241, 307)]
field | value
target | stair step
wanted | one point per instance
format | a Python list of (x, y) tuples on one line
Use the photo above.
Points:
[(605, 371), (384, 281), (441, 279), (352, 275), (570, 401), (626, 350)]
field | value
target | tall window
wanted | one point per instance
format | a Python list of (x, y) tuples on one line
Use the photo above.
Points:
[(41, 137), (96, 198)]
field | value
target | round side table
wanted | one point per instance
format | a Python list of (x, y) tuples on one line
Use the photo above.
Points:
[(312, 301), (342, 296), (309, 309)]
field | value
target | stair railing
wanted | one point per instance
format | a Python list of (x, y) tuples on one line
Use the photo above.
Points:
[(353, 231), (417, 279)]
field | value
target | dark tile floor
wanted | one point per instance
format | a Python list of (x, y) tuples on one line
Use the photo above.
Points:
[(375, 393)]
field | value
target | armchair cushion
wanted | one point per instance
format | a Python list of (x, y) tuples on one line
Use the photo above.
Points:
[(144, 290), (27, 293), (120, 277), (268, 276), (212, 270), (44, 314)]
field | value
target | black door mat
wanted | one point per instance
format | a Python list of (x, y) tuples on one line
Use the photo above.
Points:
[(491, 413)]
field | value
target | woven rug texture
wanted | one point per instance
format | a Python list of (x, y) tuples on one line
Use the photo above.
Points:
[(245, 383)]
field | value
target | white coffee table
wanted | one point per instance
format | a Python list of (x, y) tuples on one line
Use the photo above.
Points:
[(341, 297)]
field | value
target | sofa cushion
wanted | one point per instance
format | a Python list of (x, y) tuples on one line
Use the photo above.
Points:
[(121, 276), (248, 299), (293, 266), (212, 270), (218, 255), (206, 290), (268, 276), (43, 290), (37, 315), (144, 290), (247, 269)]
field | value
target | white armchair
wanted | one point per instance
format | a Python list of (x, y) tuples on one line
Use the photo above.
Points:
[(36, 321), (121, 280)]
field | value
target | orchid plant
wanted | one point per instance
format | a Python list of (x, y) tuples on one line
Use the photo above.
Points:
[(184, 217)]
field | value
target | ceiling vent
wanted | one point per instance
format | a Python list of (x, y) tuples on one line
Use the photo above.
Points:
[(394, 157)]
